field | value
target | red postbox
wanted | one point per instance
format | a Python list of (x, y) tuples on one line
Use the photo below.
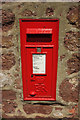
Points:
[(39, 56)]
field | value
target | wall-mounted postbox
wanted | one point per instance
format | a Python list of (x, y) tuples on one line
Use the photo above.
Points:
[(39, 56)]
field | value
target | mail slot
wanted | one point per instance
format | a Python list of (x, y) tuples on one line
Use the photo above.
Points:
[(39, 57)]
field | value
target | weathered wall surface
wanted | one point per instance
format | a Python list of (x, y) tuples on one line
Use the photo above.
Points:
[(66, 104)]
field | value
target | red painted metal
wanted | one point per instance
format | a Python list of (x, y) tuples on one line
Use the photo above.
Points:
[(39, 33)]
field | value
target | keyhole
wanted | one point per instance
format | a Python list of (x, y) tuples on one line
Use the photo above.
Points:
[(31, 75)]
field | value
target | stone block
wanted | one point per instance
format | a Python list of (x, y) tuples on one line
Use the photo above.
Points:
[(8, 95), (9, 107), (49, 11), (29, 109), (71, 41), (69, 90), (73, 16), (8, 19), (7, 41), (8, 61), (73, 64)]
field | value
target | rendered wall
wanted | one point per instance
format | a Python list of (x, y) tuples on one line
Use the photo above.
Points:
[(66, 104)]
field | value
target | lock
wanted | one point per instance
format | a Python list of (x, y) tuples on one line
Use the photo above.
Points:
[(39, 57), (38, 49), (31, 75)]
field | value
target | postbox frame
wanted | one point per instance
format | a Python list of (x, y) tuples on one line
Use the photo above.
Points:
[(53, 46)]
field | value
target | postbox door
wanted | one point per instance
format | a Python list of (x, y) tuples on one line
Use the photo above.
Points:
[(39, 72), (39, 56)]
